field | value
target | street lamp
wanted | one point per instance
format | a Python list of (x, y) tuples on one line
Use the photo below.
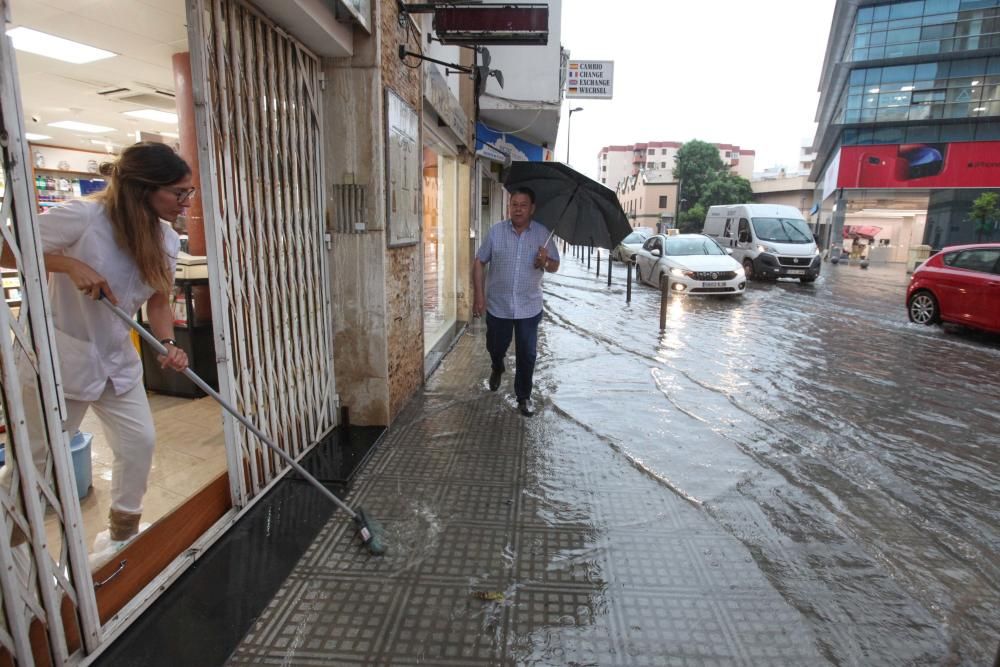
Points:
[(569, 127)]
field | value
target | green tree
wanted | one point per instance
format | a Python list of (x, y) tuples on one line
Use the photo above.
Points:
[(985, 213), (726, 188), (698, 164), (692, 220)]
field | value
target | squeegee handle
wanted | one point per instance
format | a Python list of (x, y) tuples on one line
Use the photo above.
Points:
[(204, 386)]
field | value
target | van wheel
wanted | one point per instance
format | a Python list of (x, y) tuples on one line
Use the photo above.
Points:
[(638, 276), (748, 268), (923, 308)]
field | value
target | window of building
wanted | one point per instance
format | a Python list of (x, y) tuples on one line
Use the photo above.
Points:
[(663, 151), (663, 165), (928, 91), (651, 151), (649, 165), (604, 167), (663, 201)]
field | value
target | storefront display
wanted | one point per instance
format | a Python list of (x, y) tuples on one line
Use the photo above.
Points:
[(64, 174), (439, 236)]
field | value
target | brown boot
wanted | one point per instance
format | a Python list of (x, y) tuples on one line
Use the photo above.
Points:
[(122, 525)]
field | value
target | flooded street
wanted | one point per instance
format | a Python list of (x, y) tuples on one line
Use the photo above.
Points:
[(855, 456), (796, 477)]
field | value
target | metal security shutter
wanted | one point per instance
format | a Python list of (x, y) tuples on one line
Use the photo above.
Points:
[(257, 97), (46, 587)]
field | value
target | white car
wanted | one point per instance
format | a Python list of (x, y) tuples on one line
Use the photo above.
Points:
[(631, 244), (694, 264)]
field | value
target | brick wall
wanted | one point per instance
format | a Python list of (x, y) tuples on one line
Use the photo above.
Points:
[(404, 269)]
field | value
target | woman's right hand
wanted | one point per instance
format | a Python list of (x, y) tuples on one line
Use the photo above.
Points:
[(89, 282)]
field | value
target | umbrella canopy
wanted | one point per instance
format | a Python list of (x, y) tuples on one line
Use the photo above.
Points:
[(577, 208), (855, 231)]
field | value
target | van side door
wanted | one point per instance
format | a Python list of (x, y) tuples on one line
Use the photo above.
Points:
[(744, 239), (727, 240)]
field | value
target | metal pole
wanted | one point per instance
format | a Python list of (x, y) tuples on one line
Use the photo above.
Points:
[(609, 269), (590, 252), (569, 129), (628, 282), (598, 264), (664, 296)]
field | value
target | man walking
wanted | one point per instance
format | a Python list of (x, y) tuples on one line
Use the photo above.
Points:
[(518, 257)]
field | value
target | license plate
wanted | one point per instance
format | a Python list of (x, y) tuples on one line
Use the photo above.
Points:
[(796, 272), (713, 284)]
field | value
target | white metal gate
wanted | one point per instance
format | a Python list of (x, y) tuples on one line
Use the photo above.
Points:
[(46, 587), (258, 105)]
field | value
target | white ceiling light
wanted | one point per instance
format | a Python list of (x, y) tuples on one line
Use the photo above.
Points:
[(154, 114), (81, 127), (31, 136), (50, 46)]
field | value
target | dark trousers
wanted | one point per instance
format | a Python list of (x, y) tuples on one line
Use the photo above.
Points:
[(525, 334)]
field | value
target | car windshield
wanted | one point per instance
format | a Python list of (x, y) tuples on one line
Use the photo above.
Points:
[(782, 230), (693, 246), (635, 237)]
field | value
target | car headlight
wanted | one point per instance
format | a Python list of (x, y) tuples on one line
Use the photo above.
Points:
[(681, 273), (741, 272), (766, 248)]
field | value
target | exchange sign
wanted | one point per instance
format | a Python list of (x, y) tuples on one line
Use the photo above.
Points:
[(590, 79)]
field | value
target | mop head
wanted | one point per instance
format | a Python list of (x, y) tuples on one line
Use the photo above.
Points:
[(370, 532)]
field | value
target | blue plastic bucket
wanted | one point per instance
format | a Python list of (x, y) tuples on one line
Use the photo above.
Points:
[(79, 447)]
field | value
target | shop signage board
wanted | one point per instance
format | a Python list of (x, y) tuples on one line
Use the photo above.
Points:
[(500, 146), (439, 96), (590, 79), (966, 164)]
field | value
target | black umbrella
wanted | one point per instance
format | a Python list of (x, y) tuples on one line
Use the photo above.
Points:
[(576, 208)]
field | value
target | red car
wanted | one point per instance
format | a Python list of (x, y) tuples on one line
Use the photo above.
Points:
[(960, 284)]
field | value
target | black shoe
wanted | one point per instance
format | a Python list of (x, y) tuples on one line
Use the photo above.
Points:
[(495, 379), (522, 407)]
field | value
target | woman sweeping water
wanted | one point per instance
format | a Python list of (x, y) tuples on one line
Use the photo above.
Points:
[(120, 244)]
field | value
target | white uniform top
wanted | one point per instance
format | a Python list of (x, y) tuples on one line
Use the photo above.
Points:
[(93, 344)]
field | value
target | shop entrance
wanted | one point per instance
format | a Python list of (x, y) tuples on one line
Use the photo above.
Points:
[(440, 239), (264, 260)]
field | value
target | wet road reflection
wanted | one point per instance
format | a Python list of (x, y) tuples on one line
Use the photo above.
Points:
[(854, 455)]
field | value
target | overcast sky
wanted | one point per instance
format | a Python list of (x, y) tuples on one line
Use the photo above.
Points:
[(723, 71)]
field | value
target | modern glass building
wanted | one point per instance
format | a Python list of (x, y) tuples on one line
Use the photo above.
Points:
[(909, 118)]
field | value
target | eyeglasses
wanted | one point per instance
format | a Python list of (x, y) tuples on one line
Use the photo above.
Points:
[(183, 194)]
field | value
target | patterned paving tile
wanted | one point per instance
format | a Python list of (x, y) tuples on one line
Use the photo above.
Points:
[(520, 542)]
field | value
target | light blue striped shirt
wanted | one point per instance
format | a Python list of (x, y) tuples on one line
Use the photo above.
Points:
[(514, 285)]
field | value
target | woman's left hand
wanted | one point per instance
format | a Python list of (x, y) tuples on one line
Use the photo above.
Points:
[(176, 358)]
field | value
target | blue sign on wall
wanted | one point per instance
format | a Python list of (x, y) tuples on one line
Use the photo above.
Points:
[(500, 146)]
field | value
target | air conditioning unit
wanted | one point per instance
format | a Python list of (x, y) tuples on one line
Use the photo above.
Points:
[(140, 94)]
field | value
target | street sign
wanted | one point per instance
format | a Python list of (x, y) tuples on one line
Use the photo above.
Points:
[(590, 79)]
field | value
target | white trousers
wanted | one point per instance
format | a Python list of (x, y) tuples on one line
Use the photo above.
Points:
[(128, 427)]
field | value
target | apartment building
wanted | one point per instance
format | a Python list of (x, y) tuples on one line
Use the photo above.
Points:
[(617, 162)]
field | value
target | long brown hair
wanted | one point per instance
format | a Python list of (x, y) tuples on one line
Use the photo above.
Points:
[(140, 170)]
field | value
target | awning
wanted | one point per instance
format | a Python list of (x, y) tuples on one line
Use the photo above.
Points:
[(504, 147), (861, 231)]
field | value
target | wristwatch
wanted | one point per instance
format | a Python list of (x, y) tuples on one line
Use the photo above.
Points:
[(168, 341)]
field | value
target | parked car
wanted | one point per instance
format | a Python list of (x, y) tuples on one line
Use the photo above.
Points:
[(694, 263), (631, 244), (960, 284)]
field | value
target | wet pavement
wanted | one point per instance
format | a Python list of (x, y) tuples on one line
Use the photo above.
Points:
[(798, 476)]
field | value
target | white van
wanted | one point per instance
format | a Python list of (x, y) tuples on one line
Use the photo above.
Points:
[(769, 240)]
